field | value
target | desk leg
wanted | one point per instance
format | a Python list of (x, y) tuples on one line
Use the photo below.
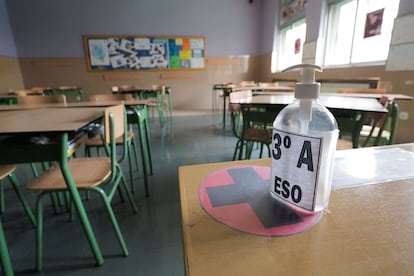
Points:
[(64, 166), (4, 254), (224, 109)]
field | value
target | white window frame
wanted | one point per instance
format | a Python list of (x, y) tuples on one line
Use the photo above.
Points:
[(287, 48), (355, 49)]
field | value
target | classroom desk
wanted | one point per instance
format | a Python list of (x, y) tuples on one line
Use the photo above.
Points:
[(336, 102), (61, 124), (137, 114), (366, 230), (356, 95), (227, 89)]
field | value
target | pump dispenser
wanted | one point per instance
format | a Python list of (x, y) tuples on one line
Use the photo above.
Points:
[(304, 140)]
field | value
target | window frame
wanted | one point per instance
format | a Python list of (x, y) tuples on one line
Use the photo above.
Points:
[(329, 40)]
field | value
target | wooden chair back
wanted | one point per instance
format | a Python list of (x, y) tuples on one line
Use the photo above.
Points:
[(360, 91), (40, 99), (236, 96), (110, 97), (117, 112), (247, 83)]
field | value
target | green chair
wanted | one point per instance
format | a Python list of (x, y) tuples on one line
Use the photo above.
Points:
[(237, 117), (156, 101), (72, 93), (96, 142), (4, 254), (382, 129), (257, 128), (139, 115), (102, 175), (8, 171)]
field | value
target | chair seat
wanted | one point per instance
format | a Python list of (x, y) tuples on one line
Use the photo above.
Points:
[(366, 129), (6, 170), (97, 141), (82, 173), (258, 135)]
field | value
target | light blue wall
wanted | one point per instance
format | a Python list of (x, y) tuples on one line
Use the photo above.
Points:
[(51, 28), (7, 46)]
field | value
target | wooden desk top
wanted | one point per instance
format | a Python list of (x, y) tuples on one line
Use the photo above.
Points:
[(50, 120), (368, 230), (72, 104), (331, 102), (265, 89)]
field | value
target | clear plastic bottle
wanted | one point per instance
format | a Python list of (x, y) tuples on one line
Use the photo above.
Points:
[(304, 143)]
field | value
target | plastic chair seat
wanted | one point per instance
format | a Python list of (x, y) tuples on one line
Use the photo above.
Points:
[(83, 175), (366, 129)]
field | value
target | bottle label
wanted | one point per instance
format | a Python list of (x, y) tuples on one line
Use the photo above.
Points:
[(295, 167)]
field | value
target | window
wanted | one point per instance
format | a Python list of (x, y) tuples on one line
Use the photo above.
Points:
[(292, 38), (291, 33), (359, 31)]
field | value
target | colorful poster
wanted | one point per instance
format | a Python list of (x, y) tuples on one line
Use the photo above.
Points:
[(140, 53)]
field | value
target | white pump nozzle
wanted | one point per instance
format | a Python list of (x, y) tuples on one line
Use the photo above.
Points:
[(306, 90)]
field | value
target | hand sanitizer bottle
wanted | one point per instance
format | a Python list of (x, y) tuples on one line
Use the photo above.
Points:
[(304, 140)]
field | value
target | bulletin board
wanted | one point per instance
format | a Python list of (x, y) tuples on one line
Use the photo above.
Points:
[(144, 52)]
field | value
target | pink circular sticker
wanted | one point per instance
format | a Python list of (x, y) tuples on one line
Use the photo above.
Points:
[(239, 197)]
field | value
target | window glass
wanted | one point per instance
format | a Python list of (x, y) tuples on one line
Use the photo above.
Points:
[(292, 38), (359, 31)]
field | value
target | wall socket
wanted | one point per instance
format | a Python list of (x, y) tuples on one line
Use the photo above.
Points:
[(404, 116)]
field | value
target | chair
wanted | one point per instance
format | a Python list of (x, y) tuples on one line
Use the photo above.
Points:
[(4, 254), (91, 174), (236, 116), (71, 92), (42, 90), (360, 91), (26, 92), (382, 129), (154, 95), (40, 99), (96, 142), (8, 171), (257, 128), (247, 83)]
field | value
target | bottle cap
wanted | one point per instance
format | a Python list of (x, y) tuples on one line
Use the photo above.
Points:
[(307, 89)]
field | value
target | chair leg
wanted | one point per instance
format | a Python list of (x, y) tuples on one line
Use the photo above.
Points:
[(4, 254), (26, 207), (2, 208), (39, 233), (114, 222)]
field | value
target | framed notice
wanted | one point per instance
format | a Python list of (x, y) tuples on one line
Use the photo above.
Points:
[(144, 53)]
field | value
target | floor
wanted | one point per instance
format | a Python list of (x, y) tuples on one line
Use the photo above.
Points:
[(153, 235)]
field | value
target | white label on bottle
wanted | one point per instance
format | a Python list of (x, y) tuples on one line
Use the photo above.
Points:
[(295, 167)]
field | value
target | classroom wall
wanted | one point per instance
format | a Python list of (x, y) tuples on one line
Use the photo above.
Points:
[(239, 42), (10, 75), (56, 56)]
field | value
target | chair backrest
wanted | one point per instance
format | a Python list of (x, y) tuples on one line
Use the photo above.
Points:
[(236, 96), (118, 113), (38, 99), (360, 91), (71, 92), (387, 122), (247, 83), (110, 97)]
